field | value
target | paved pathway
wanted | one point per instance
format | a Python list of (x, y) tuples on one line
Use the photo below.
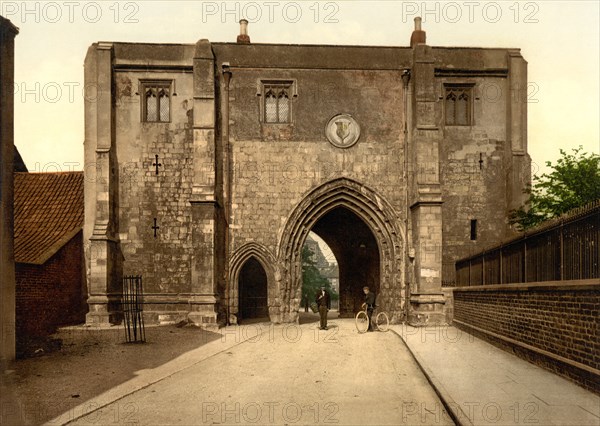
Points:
[(286, 375), (485, 385), (289, 374)]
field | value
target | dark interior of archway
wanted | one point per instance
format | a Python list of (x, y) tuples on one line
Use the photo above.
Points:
[(356, 251), (252, 287)]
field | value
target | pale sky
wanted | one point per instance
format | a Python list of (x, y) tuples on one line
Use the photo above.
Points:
[(559, 40)]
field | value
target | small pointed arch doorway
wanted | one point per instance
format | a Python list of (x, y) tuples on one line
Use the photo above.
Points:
[(252, 291)]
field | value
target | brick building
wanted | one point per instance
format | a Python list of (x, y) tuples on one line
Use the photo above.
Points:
[(50, 280), (8, 32), (208, 164)]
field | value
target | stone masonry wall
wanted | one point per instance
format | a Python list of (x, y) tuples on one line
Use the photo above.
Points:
[(560, 319), (276, 165), (164, 260), (475, 162)]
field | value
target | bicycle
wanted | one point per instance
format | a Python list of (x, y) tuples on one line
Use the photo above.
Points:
[(381, 321)]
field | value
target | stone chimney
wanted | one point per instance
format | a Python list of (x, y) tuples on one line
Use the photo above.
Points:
[(243, 38), (418, 36)]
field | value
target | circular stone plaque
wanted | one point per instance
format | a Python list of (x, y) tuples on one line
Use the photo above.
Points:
[(342, 131)]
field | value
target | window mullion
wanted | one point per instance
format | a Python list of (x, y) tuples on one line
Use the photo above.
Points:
[(157, 104)]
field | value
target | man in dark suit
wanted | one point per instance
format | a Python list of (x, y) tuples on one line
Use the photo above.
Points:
[(323, 300), (370, 304)]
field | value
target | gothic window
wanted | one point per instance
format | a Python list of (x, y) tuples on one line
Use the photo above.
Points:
[(457, 105), (277, 101), (156, 101)]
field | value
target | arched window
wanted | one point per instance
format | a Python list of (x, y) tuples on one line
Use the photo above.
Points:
[(283, 106), (157, 101), (457, 106), (462, 109), (450, 107), (270, 107), (151, 105), (164, 104), (277, 103)]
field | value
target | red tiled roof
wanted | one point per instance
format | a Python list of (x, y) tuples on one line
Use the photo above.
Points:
[(48, 209)]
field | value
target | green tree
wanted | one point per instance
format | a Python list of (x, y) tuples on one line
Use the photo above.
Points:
[(312, 279), (573, 182)]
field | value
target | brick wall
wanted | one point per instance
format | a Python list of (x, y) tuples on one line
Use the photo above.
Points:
[(50, 295), (555, 325)]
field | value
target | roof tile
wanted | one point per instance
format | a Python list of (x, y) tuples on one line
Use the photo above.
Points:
[(48, 208)]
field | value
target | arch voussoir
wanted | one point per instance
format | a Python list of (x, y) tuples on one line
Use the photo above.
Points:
[(374, 211)]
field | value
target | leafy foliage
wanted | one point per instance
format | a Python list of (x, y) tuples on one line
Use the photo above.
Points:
[(312, 279), (573, 182)]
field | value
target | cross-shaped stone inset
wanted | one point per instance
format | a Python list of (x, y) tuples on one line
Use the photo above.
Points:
[(155, 227), (156, 163)]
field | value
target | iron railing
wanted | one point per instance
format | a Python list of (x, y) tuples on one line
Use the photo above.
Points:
[(566, 248), (133, 309)]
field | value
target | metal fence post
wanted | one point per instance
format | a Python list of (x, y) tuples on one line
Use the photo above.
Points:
[(133, 309)]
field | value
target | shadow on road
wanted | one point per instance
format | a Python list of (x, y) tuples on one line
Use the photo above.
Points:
[(90, 362)]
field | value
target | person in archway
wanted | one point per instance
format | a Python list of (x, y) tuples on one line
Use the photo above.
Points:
[(370, 304), (323, 300)]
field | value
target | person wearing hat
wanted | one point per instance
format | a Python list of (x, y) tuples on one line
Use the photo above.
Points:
[(369, 304), (323, 300)]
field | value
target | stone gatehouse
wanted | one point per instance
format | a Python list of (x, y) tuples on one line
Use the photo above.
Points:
[(208, 164)]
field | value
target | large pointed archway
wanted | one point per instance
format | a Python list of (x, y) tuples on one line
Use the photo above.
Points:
[(357, 253), (326, 210)]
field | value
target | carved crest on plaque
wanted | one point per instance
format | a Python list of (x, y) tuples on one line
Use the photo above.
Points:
[(342, 131)]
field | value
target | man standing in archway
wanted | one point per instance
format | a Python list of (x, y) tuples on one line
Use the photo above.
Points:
[(370, 305), (323, 300)]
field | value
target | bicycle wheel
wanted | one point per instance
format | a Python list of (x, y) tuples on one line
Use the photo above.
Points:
[(362, 322), (382, 321)]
